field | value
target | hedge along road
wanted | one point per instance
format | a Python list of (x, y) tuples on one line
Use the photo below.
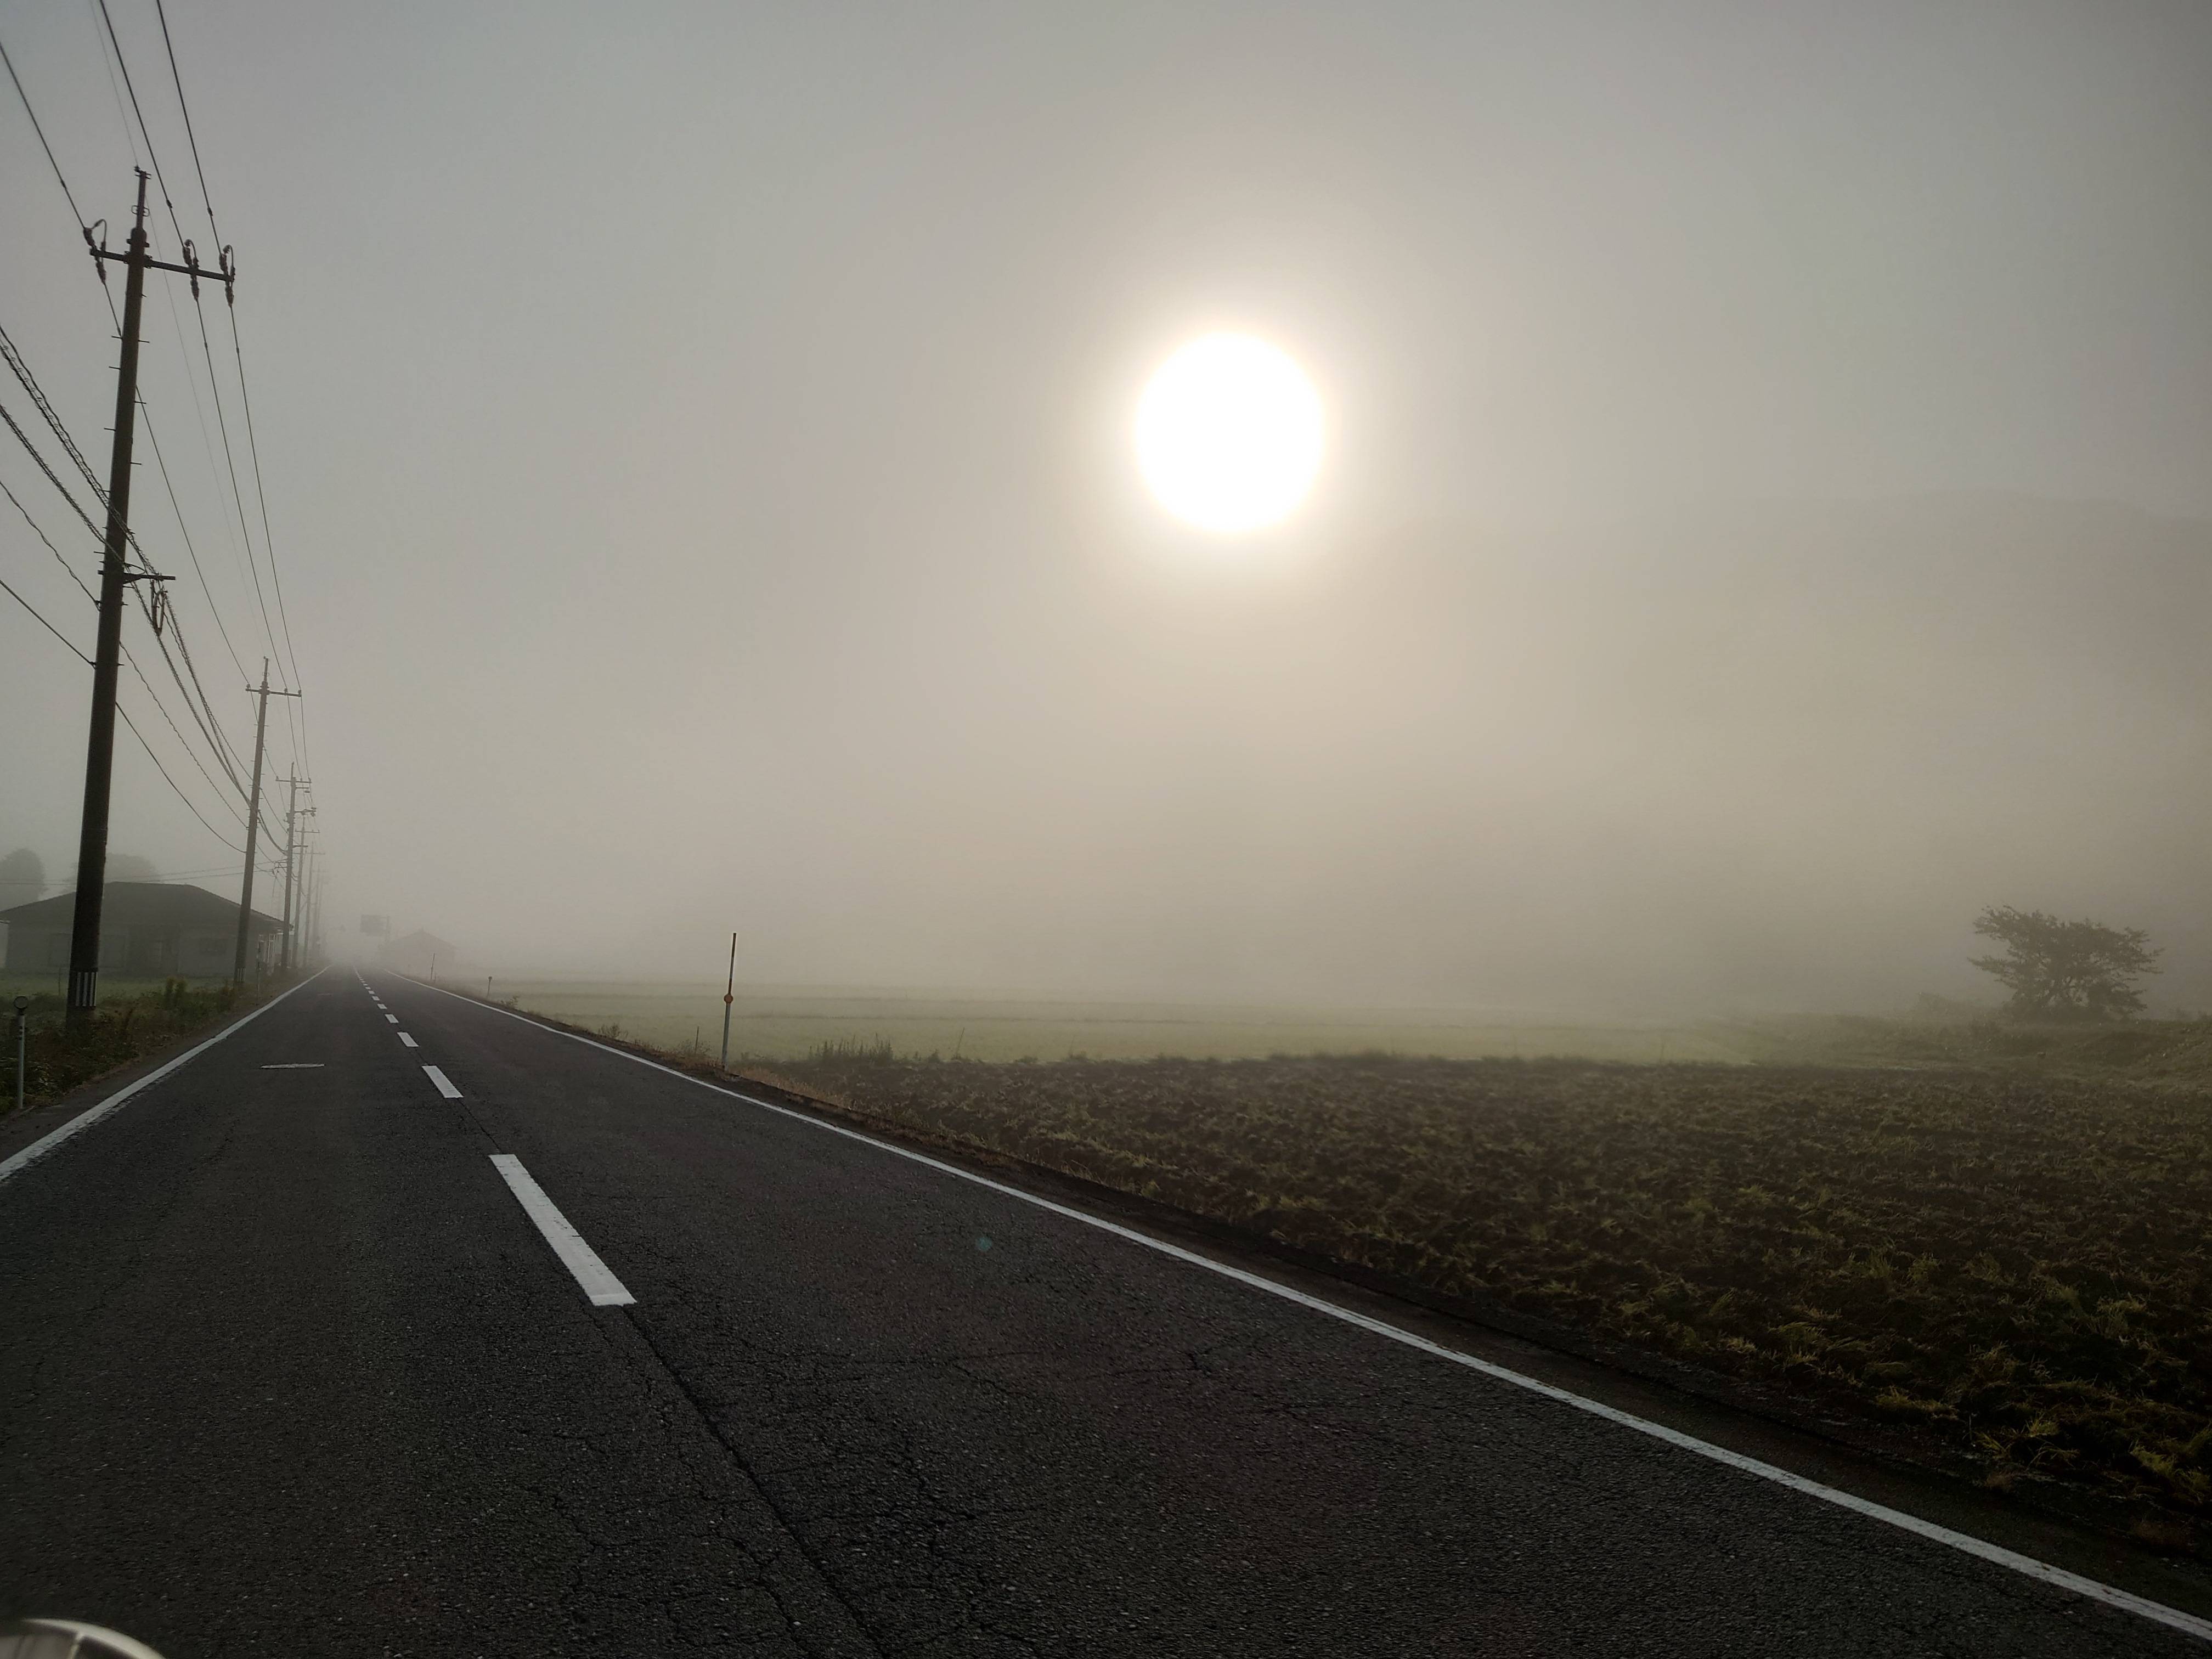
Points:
[(294, 1364)]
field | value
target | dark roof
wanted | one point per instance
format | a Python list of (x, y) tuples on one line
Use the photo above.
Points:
[(161, 904)]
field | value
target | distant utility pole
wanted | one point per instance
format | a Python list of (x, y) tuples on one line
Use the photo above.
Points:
[(729, 996), (306, 896), (292, 839), (253, 826), (114, 576), (315, 899)]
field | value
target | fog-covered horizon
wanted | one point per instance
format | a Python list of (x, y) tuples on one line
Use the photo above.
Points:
[(1764, 518)]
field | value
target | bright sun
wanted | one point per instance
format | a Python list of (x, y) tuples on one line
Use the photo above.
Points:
[(1228, 434)]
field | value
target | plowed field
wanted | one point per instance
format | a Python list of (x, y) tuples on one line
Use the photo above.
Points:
[(2018, 1265)]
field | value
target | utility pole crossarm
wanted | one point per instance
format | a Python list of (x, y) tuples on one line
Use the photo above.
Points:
[(226, 273)]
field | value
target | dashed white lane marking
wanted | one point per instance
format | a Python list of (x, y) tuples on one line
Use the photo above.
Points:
[(394, 1018), (604, 1289), (409, 1041), (295, 1066), (445, 1084), (2026, 1565), (83, 1120)]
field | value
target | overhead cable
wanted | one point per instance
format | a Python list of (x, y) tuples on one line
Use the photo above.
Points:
[(22, 371), (40, 534), (172, 783), (41, 131), (44, 623), (24, 438), (143, 131), (190, 138)]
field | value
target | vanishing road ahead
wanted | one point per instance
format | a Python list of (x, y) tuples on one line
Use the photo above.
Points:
[(292, 1365)]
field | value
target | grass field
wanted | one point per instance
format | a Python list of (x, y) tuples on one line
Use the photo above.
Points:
[(135, 1017), (791, 1024)]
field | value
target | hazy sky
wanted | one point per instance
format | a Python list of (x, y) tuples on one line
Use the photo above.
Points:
[(1764, 519)]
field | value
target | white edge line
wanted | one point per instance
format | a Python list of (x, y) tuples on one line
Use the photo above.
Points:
[(2026, 1565), (84, 1119), (445, 1084), (582, 1261)]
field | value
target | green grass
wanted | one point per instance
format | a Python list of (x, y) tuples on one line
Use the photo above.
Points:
[(135, 1018)]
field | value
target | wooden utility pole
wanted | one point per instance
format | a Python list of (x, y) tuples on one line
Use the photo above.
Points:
[(99, 749), (292, 839), (253, 826), (114, 576), (313, 927)]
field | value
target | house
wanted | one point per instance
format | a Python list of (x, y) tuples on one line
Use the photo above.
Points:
[(148, 930), (421, 954)]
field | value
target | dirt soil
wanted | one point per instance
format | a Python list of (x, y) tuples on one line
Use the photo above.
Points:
[(2017, 1265)]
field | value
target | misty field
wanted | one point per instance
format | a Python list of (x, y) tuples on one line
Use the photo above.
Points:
[(2017, 1263), (788, 1025)]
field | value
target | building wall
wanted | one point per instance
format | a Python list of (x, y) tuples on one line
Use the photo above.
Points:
[(197, 953)]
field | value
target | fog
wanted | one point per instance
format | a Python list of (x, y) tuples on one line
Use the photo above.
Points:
[(1766, 516)]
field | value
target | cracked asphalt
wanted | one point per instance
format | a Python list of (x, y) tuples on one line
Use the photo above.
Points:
[(287, 1369)]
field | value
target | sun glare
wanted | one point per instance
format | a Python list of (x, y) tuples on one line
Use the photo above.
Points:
[(1228, 434)]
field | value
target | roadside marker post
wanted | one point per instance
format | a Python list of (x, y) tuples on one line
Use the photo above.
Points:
[(22, 1042), (729, 996)]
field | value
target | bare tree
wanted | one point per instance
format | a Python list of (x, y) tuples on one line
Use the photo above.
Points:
[(2066, 969)]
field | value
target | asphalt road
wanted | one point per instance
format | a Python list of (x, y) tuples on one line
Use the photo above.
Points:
[(288, 1368)]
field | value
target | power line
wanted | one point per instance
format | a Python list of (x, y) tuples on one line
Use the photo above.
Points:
[(193, 709), (107, 64), (192, 549), (202, 711), (24, 438), (83, 975), (253, 451), (283, 622), (190, 138), (185, 650), (44, 623), (29, 382), (22, 371), (38, 396), (41, 131), (172, 783), (238, 495), (161, 707), (295, 711), (163, 711), (70, 572), (215, 385), (51, 547), (142, 131)]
